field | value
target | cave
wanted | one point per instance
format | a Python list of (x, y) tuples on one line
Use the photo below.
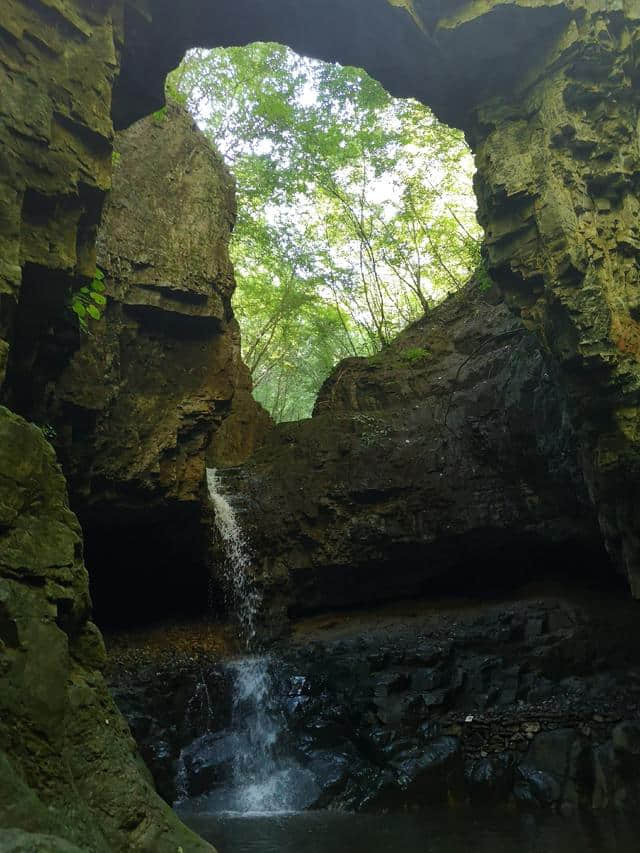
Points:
[(547, 96)]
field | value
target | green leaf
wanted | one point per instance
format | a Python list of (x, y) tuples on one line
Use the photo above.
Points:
[(93, 311)]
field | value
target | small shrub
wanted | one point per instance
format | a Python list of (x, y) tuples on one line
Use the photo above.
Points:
[(89, 302), (414, 354)]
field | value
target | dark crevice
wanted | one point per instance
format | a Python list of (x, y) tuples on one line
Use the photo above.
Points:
[(148, 567)]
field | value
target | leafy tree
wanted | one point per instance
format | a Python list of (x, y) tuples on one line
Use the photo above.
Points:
[(356, 212)]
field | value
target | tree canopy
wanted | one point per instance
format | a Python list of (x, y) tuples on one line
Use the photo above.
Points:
[(356, 212)]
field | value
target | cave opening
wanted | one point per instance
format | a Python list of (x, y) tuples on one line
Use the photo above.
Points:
[(356, 210), (151, 568), (322, 269), (486, 565)]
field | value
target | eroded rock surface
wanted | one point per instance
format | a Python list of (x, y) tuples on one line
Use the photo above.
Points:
[(547, 93), (531, 700), (68, 765), (448, 458), (136, 408)]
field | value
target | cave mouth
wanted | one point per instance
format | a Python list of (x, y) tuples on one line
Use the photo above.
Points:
[(151, 568), (479, 567), (356, 210)]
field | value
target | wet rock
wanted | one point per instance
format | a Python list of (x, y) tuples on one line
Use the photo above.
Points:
[(490, 780), (209, 761), (440, 491), (428, 775), (68, 765)]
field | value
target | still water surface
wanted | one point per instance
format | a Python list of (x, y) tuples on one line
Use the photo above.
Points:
[(449, 832)]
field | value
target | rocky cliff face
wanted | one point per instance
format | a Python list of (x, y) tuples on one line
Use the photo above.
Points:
[(137, 406), (68, 765), (546, 92), (548, 95), (448, 458)]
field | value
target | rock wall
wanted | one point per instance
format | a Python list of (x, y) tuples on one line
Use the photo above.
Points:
[(548, 95), (546, 92), (69, 767), (448, 458), (138, 404), (58, 65), (558, 179), (134, 408)]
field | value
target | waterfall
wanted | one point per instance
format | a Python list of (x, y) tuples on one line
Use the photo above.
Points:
[(244, 598), (265, 778), (249, 765)]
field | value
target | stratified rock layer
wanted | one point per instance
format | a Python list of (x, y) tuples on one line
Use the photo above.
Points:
[(68, 765), (547, 93), (449, 457), (137, 406), (147, 387)]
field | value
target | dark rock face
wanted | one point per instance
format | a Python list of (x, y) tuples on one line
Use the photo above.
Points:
[(136, 407), (550, 107), (141, 399), (531, 701), (68, 764), (449, 458), (547, 94)]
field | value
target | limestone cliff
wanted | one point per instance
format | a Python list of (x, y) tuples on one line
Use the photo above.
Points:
[(139, 402), (547, 93), (68, 765), (446, 461), (135, 407)]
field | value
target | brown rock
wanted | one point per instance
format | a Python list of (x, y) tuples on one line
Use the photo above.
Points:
[(448, 459)]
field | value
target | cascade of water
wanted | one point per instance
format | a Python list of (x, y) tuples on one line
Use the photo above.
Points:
[(263, 778), (244, 598)]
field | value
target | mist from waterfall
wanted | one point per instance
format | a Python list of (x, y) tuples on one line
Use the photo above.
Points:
[(244, 600), (255, 773)]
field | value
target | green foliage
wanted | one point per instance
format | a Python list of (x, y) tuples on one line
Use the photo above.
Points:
[(161, 114), (414, 354), (481, 274), (116, 157), (356, 212), (88, 303)]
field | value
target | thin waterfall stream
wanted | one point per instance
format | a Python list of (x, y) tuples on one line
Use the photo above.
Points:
[(243, 598), (259, 777)]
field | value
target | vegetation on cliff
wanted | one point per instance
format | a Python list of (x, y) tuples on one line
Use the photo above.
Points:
[(356, 211)]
